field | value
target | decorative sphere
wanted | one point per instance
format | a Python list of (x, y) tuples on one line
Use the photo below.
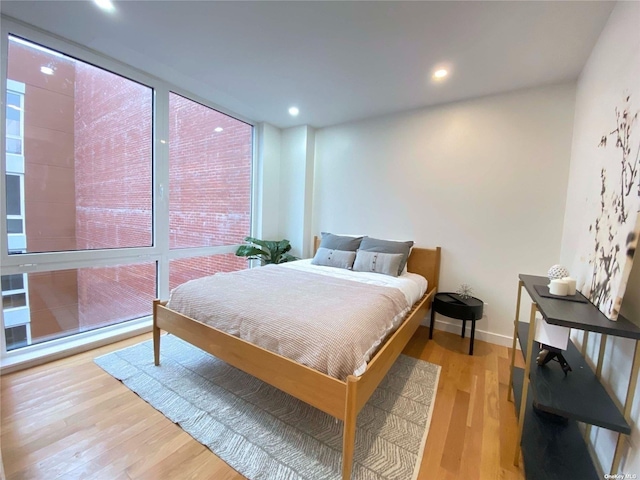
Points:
[(557, 271)]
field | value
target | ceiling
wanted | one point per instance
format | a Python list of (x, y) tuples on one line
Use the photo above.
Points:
[(335, 61)]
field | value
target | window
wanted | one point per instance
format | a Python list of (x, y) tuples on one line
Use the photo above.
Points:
[(82, 141), (14, 122), (210, 157), (15, 201), (15, 308), (86, 154), (15, 167), (16, 337)]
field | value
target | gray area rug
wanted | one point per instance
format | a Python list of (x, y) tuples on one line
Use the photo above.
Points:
[(264, 433)]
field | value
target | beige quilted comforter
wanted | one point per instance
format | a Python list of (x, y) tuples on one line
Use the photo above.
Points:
[(330, 324)]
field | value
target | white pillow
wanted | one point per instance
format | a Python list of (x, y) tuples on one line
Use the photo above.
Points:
[(334, 258), (378, 262)]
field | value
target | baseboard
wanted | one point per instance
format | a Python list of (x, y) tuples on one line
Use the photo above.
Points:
[(65, 347), (456, 327)]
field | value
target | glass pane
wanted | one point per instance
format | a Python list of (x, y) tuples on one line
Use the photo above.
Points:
[(67, 302), (87, 154), (13, 114), (12, 282), (13, 101), (183, 270), (209, 176), (15, 300), (14, 226), (16, 337), (13, 195), (14, 145)]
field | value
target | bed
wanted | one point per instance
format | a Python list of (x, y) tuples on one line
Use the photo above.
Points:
[(341, 397)]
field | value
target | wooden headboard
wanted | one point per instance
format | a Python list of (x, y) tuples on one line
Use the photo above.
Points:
[(426, 262), (423, 261)]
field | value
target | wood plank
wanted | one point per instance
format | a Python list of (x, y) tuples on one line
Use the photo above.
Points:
[(472, 449), (122, 455), (454, 443), (490, 457)]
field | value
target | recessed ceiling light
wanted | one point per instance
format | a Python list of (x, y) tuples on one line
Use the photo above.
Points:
[(441, 73), (293, 111), (105, 5), (46, 70), (218, 129)]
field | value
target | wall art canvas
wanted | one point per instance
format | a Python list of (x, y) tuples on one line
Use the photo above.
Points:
[(613, 207)]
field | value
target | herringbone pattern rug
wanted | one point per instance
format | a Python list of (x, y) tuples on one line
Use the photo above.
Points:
[(264, 433)]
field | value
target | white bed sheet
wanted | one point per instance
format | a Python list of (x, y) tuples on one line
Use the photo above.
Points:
[(412, 285)]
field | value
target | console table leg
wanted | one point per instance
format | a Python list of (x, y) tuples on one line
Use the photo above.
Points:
[(513, 345), (585, 341), (603, 345), (464, 327), (525, 381), (631, 390)]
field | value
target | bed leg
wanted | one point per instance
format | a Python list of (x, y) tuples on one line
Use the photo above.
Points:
[(349, 435), (156, 334)]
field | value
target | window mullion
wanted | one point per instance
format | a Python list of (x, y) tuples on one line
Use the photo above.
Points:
[(161, 188)]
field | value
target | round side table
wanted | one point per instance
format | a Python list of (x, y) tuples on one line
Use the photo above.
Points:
[(454, 306)]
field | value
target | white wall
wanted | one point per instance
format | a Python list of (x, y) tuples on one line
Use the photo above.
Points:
[(485, 179), (613, 68), (295, 187), (266, 201)]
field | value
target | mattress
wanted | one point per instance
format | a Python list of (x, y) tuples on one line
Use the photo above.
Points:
[(329, 319)]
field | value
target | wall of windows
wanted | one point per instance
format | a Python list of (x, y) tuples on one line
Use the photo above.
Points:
[(113, 181)]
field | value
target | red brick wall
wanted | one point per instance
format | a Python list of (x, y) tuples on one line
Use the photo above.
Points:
[(113, 157), (109, 295), (210, 183), (183, 270)]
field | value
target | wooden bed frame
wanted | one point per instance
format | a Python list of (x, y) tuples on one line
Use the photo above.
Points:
[(342, 400)]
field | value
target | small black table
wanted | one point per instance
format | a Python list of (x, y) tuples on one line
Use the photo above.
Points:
[(454, 306)]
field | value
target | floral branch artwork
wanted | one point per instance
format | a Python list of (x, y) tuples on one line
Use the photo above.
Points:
[(615, 229), (628, 163)]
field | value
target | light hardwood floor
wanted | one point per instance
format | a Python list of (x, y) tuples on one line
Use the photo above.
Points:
[(69, 419)]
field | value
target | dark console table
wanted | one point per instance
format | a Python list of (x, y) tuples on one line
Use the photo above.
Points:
[(553, 450), (454, 306)]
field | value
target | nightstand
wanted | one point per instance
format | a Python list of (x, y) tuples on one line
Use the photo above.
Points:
[(454, 306)]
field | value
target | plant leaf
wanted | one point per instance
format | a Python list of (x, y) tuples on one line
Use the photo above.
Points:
[(250, 251), (287, 258), (267, 251)]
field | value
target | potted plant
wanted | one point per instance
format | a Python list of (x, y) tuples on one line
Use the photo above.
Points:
[(267, 251)]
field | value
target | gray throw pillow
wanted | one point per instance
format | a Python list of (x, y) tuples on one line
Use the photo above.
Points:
[(334, 258), (387, 263), (387, 246), (338, 242)]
